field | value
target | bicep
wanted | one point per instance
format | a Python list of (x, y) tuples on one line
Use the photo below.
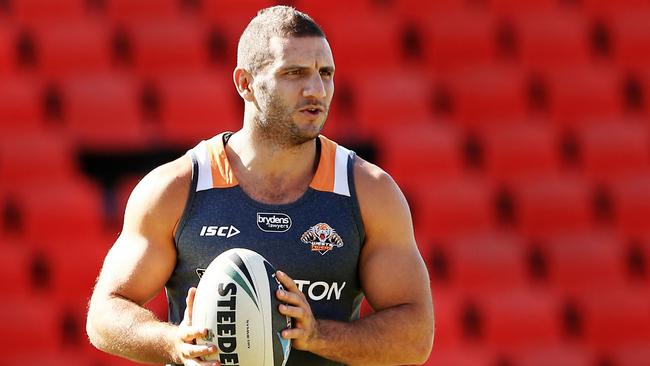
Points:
[(392, 270), (394, 274), (143, 257), (135, 268)]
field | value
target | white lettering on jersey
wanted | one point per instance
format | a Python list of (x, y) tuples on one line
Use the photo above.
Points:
[(222, 231), (320, 290)]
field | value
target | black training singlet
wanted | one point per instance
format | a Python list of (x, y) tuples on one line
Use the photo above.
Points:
[(316, 240)]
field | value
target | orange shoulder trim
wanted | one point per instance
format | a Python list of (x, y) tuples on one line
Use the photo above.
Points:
[(324, 178), (222, 174)]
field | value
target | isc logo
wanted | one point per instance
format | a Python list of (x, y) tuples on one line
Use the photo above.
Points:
[(223, 231)]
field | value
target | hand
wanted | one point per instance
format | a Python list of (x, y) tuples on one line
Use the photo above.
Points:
[(296, 306), (187, 352)]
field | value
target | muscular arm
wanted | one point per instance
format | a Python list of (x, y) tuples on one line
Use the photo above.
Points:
[(395, 282), (136, 269)]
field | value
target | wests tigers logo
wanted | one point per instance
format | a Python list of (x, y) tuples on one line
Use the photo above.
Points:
[(322, 238)]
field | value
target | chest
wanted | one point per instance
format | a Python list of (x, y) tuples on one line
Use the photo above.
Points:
[(316, 239)]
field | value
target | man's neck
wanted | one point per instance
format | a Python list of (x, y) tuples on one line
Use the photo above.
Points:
[(268, 171)]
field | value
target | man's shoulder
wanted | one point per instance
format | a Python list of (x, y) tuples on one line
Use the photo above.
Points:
[(169, 176), (163, 191), (370, 176)]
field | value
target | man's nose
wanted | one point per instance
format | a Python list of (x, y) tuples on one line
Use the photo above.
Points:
[(315, 87)]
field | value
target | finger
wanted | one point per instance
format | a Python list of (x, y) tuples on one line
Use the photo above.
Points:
[(287, 282), (291, 298), (189, 304), (195, 351), (293, 333), (188, 334), (209, 363), (292, 311)]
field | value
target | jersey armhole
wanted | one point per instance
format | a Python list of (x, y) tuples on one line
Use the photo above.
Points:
[(356, 209), (190, 198)]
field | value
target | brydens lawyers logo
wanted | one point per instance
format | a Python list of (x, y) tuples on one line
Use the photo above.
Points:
[(273, 222), (322, 238)]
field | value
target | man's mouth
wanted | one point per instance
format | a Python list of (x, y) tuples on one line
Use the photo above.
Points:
[(312, 111)]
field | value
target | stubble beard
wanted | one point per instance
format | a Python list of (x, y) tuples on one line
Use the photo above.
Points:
[(275, 125)]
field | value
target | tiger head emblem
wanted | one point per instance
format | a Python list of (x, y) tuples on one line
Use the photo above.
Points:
[(322, 238)]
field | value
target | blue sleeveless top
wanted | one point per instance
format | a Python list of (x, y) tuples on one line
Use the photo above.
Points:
[(316, 240)]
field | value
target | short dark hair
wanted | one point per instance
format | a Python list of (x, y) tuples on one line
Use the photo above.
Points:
[(276, 21)]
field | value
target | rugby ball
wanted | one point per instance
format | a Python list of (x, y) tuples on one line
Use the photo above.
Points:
[(236, 301)]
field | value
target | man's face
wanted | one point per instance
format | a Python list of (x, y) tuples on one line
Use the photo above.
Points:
[(294, 91)]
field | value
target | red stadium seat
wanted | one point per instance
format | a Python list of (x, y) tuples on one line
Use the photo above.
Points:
[(239, 12), (65, 210), (484, 262), (100, 358), (78, 47), (421, 10), (613, 151), (644, 82), (10, 129), (65, 358), (553, 205), (73, 276), (631, 200), (349, 34), (584, 92), (631, 354), (29, 321), (343, 129), (459, 40), (520, 151), (131, 12), (161, 47), (20, 102), (606, 7), (642, 243), (15, 269), (552, 39), (448, 306), (122, 192), (556, 355), (483, 95), (197, 106), (7, 50), (380, 108), (36, 160), (227, 20), (525, 8), (630, 37), (102, 111), (158, 305), (452, 207), (583, 260), (316, 9), (418, 156), (460, 356), (612, 317), (43, 12), (512, 320)]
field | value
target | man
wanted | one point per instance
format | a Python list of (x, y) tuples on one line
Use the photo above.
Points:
[(342, 227)]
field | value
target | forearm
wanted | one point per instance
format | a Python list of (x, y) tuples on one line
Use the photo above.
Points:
[(397, 335), (121, 327)]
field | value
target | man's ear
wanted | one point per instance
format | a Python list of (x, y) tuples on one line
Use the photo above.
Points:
[(243, 82)]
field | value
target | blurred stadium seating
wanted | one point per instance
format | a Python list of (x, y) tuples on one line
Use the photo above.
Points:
[(518, 130)]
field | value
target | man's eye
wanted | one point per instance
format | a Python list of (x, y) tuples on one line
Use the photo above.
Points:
[(294, 72)]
